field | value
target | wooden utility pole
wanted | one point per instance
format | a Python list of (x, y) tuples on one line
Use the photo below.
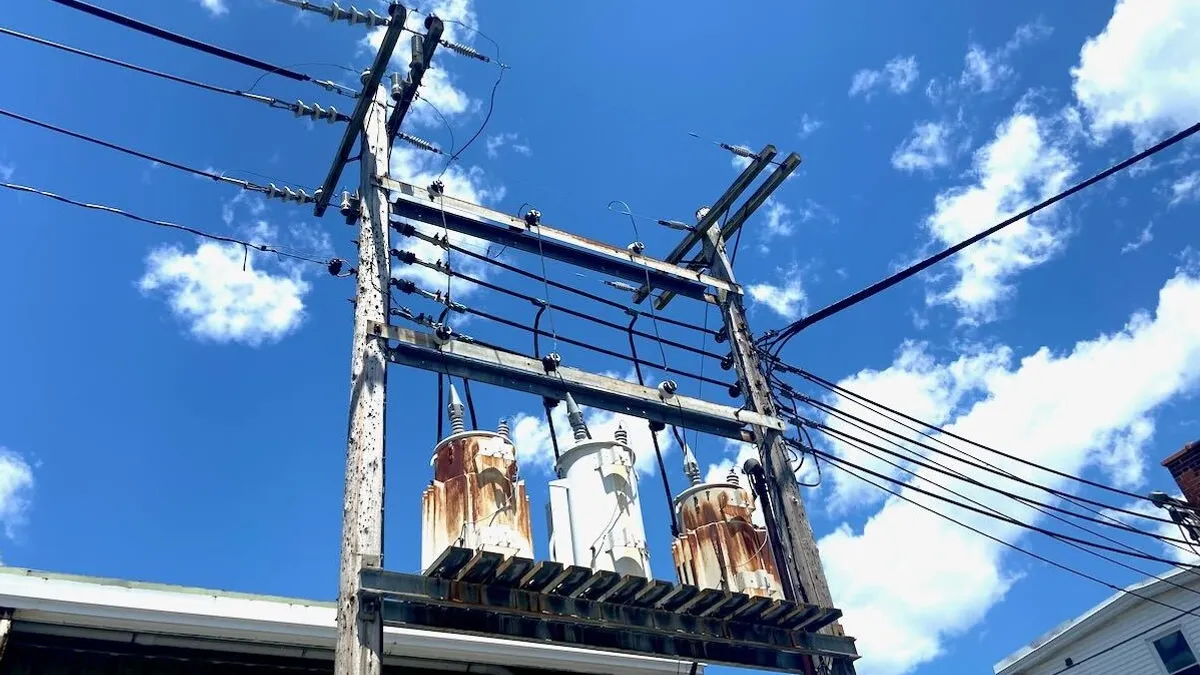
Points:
[(360, 628), (801, 570)]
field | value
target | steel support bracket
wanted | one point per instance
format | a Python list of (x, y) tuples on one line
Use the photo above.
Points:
[(523, 373)]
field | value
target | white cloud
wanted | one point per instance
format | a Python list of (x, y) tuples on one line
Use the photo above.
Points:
[(925, 149), (1140, 72), (215, 7), (1186, 188), (221, 301), (1145, 237), (1019, 167), (509, 139), (787, 299), (6, 171), (16, 484), (984, 71), (778, 222), (808, 126), (1053, 409), (898, 75)]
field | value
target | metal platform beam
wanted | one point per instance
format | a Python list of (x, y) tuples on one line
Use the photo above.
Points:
[(416, 203), (523, 373), (471, 592)]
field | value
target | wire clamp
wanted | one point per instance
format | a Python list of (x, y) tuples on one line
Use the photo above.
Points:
[(533, 217), (551, 361), (667, 389)]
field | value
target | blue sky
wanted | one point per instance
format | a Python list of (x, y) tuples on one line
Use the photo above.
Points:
[(169, 416)]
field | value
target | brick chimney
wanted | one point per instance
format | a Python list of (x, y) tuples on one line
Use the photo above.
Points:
[(1185, 469)]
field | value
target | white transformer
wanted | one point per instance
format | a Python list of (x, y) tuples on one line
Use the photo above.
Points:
[(594, 515)]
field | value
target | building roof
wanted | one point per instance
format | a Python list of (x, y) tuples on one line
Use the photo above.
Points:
[(1075, 628), (161, 614)]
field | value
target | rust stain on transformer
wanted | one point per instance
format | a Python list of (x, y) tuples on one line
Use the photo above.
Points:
[(719, 547), (475, 499)]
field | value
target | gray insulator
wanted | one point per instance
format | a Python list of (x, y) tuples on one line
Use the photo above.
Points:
[(575, 418), (691, 468), (418, 143), (502, 429), (621, 435), (397, 86), (621, 286), (733, 478), (336, 13), (455, 410), (740, 151), (464, 50)]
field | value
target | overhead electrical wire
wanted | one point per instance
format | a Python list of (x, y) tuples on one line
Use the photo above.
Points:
[(265, 248), (1080, 547), (192, 43), (1015, 547), (409, 230), (1106, 512), (834, 387), (983, 512), (269, 190), (298, 109), (462, 308), (777, 339)]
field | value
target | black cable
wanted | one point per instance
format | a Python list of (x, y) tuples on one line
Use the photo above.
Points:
[(265, 248), (487, 118), (590, 347), (271, 101), (578, 314), (537, 321), (549, 404), (183, 40), (662, 466), (1006, 519), (779, 338), (410, 230), (1027, 552), (820, 381), (1096, 554), (470, 403), (971, 481)]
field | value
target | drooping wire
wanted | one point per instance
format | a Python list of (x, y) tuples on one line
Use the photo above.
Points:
[(838, 461), (411, 231), (470, 402), (265, 248), (198, 45), (899, 495), (487, 118), (545, 281), (834, 387), (653, 314), (441, 396), (658, 455), (777, 339), (245, 185), (1045, 509), (295, 108)]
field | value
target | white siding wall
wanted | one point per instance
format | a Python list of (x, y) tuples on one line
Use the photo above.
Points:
[(1137, 657)]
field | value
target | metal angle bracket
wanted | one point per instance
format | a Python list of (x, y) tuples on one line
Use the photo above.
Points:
[(474, 220), (523, 373)]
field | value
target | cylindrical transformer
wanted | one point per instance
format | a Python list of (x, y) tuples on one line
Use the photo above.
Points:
[(594, 515), (719, 546), (475, 499)]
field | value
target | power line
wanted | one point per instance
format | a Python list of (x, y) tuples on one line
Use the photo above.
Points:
[(1006, 519), (777, 339), (831, 386), (1015, 547), (1089, 551), (205, 47), (487, 118), (299, 109), (265, 248), (285, 193), (410, 230)]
